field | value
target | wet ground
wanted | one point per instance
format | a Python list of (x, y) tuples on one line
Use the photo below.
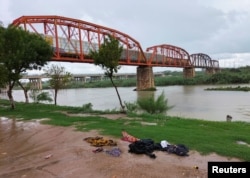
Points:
[(29, 149)]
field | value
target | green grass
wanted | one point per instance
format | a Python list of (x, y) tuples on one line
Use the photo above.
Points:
[(204, 136)]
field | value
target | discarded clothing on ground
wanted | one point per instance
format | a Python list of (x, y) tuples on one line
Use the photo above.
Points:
[(98, 150), (128, 137), (179, 149), (114, 152), (143, 146), (164, 144), (100, 141), (148, 146)]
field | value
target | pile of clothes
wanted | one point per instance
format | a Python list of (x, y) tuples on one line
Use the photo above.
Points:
[(100, 142), (137, 146), (148, 146)]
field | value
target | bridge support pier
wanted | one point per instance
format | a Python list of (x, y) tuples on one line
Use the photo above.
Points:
[(4, 90), (36, 83), (189, 72), (210, 71), (145, 78)]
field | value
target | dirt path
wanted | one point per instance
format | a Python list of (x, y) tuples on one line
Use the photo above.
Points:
[(30, 150)]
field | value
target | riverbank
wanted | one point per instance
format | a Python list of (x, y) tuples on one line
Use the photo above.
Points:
[(31, 149), (223, 138)]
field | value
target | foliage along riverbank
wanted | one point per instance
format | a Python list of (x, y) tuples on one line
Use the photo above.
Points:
[(238, 88), (223, 138), (225, 76)]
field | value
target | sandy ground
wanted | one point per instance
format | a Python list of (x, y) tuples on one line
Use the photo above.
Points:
[(30, 150)]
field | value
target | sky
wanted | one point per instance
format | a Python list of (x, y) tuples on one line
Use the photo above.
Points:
[(218, 28)]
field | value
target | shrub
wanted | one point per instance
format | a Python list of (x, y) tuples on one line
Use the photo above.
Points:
[(33, 95), (44, 96), (131, 107), (87, 107), (152, 106), (37, 96)]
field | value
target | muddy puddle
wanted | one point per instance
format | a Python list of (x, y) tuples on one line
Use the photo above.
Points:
[(27, 148)]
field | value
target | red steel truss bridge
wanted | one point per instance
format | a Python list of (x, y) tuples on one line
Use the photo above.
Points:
[(73, 39)]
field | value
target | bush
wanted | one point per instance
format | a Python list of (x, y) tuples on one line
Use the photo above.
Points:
[(87, 107), (37, 96), (44, 96), (33, 95), (152, 106), (131, 107)]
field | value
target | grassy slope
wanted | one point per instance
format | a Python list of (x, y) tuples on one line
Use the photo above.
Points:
[(203, 136)]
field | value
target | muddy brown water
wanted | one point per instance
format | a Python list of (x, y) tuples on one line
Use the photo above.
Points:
[(188, 101)]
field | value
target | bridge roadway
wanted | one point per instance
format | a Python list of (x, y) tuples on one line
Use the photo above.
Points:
[(72, 40)]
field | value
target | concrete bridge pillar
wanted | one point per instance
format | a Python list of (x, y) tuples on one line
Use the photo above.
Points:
[(80, 79), (145, 78), (210, 71), (36, 83), (4, 90), (189, 72)]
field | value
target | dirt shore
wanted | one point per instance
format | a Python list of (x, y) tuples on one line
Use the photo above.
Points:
[(29, 149)]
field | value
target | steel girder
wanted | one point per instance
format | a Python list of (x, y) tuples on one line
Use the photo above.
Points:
[(168, 55), (73, 39), (201, 60)]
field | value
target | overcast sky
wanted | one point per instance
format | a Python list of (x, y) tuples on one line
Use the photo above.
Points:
[(219, 28)]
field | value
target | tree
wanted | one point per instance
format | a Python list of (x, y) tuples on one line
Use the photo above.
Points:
[(25, 88), (107, 57), (3, 76), (21, 50), (59, 79), (3, 71), (44, 96)]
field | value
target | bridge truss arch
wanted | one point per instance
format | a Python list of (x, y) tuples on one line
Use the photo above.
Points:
[(215, 64), (201, 60), (168, 55), (73, 39)]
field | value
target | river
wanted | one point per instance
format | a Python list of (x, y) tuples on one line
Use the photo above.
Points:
[(188, 101)]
